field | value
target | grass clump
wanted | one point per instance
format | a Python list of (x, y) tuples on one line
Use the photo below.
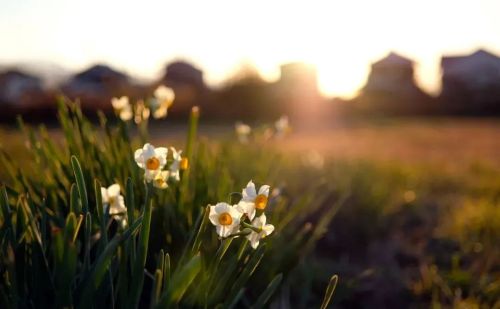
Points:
[(84, 224)]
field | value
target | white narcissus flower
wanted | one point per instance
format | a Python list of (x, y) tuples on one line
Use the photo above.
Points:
[(252, 200), (112, 198), (242, 131), (226, 219), (176, 164), (282, 126), (162, 100), (123, 108), (151, 159), (160, 180), (141, 112), (265, 230)]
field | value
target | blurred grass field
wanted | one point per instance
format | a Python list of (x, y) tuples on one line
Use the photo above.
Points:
[(421, 222)]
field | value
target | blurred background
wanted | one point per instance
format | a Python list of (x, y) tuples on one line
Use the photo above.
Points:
[(398, 99), (319, 60)]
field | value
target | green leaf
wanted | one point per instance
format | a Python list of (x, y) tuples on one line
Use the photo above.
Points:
[(166, 271), (247, 272), (329, 291), (74, 205), (181, 280), (268, 292), (140, 262), (102, 264), (6, 212), (130, 200), (80, 182), (156, 291), (197, 240)]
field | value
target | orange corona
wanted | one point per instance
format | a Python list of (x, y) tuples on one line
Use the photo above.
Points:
[(225, 219), (152, 163), (260, 201)]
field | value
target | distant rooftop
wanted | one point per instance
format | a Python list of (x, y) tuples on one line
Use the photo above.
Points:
[(393, 59), (479, 56)]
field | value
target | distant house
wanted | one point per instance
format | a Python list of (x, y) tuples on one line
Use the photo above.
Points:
[(298, 93), (391, 88), (181, 72), (188, 84), (471, 83), (97, 85), (300, 75), (19, 89)]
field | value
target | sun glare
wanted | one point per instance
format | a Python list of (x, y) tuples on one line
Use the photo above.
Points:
[(341, 39)]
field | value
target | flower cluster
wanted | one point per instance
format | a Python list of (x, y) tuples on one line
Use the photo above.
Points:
[(153, 161), (229, 219), (113, 201), (280, 128), (158, 106)]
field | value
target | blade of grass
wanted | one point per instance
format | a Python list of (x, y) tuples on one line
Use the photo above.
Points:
[(102, 264), (329, 291), (80, 182), (268, 292)]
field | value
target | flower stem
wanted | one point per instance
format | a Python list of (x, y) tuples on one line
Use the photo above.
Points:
[(138, 275)]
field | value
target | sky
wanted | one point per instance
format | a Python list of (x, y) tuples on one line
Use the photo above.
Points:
[(341, 38)]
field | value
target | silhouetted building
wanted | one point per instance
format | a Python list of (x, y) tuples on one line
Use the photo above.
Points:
[(471, 84), (183, 73), (391, 88), (188, 84), (19, 89), (97, 85), (297, 92)]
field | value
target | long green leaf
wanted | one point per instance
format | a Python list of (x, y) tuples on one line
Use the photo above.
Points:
[(80, 182), (329, 291), (268, 292), (181, 280), (140, 263), (102, 264)]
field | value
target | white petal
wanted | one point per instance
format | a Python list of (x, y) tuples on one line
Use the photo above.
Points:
[(123, 221), (222, 207), (236, 215), (264, 190), (119, 103), (126, 113), (259, 221), (118, 206), (104, 195), (148, 151), (161, 154), (139, 158), (224, 230), (249, 192), (246, 208), (268, 229), (114, 190), (150, 175), (164, 93), (254, 239), (213, 216), (251, 213), (160, 113)]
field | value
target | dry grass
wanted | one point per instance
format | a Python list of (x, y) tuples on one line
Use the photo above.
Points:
[(448, 143)]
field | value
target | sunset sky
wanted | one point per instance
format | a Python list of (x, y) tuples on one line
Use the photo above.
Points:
[(341, 38)]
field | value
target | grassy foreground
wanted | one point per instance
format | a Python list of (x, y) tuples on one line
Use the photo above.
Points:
[(62, 247), (399, 235)]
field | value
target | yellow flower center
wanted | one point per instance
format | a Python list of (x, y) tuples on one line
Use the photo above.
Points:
[(260, 201), (111, 200), (152, 163), (225, 219), (184, 163), (160, 181)]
